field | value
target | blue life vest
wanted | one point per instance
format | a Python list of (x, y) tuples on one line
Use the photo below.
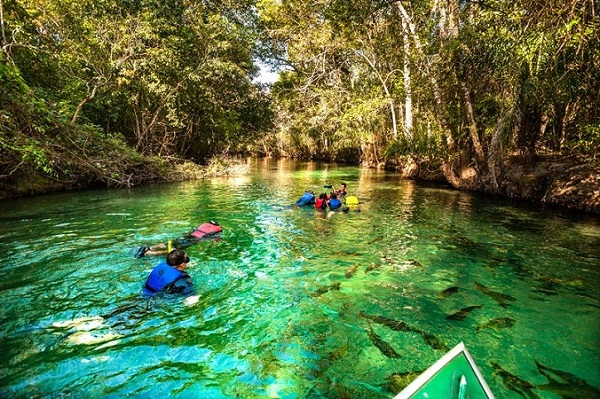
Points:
[(306, 199), (334, 204), (161, 277)]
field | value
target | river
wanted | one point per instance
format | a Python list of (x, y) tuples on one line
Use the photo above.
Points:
[(295, 302)]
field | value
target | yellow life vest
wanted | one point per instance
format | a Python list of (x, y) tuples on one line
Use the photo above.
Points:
[(351, 200)]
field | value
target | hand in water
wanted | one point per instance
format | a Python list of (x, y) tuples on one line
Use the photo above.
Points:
[(191, 300)]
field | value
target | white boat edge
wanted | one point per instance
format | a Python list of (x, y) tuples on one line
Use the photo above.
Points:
[(428, 374)]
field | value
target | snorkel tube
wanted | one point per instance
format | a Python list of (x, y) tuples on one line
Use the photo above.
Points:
[(169, 246), (329, 186)]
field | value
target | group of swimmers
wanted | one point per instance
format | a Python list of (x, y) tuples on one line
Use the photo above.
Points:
[(333, 201), (169, 276)]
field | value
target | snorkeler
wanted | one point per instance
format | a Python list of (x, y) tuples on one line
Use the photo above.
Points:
[(204, 231)]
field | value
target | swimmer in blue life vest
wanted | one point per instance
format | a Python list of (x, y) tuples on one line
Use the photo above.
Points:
[(334, 203), (204, 231), (170, 277), (308, 198)]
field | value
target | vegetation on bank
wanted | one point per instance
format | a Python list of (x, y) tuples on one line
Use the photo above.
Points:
[(467, 83), (122, 93), (41, 152), (464, 92)]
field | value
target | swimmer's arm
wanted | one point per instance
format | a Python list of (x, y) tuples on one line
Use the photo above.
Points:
[(155, 252), (190, 293)]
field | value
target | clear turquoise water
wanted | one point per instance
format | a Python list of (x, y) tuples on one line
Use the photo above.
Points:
[(262, 328)]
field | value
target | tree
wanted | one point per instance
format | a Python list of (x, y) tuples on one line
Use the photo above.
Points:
[(170, 78), (479, 81)]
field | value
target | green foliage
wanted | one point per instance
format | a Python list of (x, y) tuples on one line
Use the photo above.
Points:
[(525, 70), (587, 142), (17, 107), (421, 145), (90, 85)]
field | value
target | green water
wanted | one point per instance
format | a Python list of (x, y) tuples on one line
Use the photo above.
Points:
[(265, 326)]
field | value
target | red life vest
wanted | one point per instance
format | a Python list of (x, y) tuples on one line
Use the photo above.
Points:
[(320, 203), (206, 230)]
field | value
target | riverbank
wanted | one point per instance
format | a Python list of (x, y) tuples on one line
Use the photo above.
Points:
[(105, 174), (568, 182)]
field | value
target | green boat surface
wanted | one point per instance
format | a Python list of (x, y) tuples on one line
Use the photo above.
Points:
[(453, 376)]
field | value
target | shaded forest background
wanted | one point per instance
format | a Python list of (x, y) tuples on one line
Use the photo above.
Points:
[(474, 93)]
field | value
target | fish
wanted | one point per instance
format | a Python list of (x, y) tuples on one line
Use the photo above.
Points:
[(463, 313), (120, 310), (327, 288), (395, 325), (398, 325), (548, 285), (448, 291), (415, 262), (497, 296), (326, 361), (124, 314), (351, 271), (342, 254), (514, 383), (331, 357), (371, 267), (434, 342), (545, 291), (338, 353), (497, 324), (398, 381), (383, 346), (572, 387)]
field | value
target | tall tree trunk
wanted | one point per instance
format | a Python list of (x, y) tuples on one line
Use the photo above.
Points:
[(453, 19), (503, 129), (430, 75), (452, 32), (2, 26), (473, 131), (408, 120)]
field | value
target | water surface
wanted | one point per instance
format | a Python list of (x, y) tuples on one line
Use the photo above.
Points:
[(296, 303)]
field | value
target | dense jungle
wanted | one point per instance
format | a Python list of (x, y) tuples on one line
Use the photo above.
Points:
[(494, 96)]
